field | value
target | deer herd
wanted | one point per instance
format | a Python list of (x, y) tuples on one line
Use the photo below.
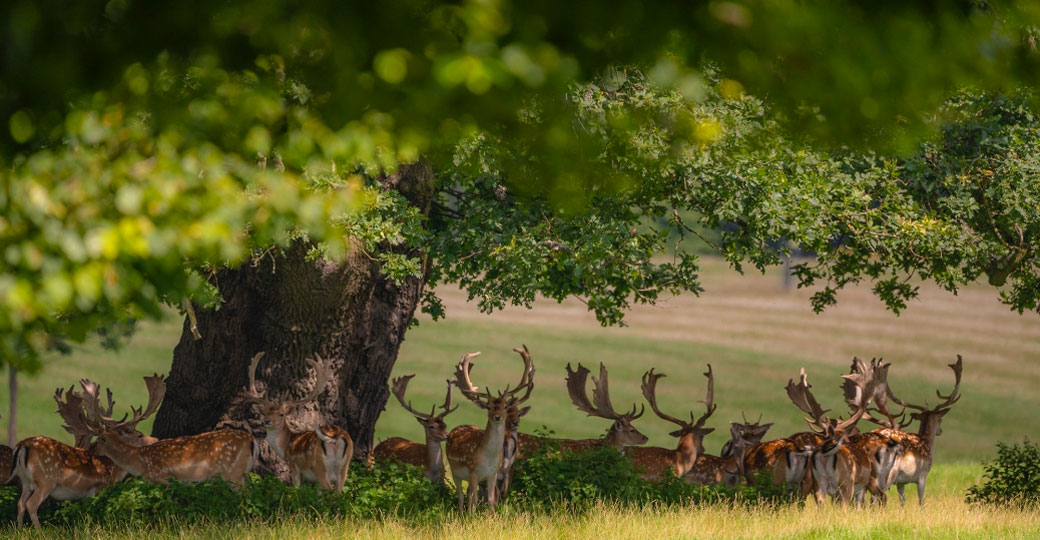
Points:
[(833, 458)]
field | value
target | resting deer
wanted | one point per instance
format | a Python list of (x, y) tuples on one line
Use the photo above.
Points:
[(655, 461), (838, 469), (916, 462), (727, 468), (48, 468), (475, 455), (226, 453), (621, 434), (429, 455), (511, 444), (321, 455)]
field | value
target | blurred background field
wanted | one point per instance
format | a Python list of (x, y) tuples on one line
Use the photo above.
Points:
[(755, 334)]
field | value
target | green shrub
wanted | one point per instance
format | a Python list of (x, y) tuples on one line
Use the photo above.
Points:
[(551, 478), (386, 490), (1013, 479)]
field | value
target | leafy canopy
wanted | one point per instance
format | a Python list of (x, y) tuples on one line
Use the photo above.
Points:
[(147, 144)]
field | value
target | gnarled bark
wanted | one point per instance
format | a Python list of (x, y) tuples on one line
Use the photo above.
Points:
[(294, 308)]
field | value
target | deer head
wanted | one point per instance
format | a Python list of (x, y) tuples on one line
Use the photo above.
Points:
[(432, 422), (696, 425), (496, 406), (622, 430), (276, 411), (85, 417), (931, 417)]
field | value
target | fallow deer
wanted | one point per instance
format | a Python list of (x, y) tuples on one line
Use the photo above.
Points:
[(511, 444), (475, 455), (48, 468), (728, 467), (838, 469), (430, 455), (916, 462), (321, 455), (621, 435), (883, 451), (226, 453), (655, 461)]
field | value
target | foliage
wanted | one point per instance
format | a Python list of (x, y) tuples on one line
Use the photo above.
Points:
[(384, 491), (551, 479), (1012, 479)]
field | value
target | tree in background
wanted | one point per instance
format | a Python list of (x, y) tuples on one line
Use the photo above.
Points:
[(298, 178)]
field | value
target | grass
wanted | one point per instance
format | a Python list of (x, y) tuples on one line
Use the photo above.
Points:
[(754, 334)]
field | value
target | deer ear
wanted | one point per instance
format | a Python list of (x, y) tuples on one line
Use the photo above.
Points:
[(676, 433), (524, 411)]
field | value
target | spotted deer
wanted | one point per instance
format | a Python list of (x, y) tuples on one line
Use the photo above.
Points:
[(320, 455), (48, 468), (655, 462), (788, 459), (916, 462), (838, 469), (429, 455), (475, 455), (227, 453), (621, 435), (883, 451), (727, 468)]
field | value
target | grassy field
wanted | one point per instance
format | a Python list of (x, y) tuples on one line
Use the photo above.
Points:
[(754, 334)]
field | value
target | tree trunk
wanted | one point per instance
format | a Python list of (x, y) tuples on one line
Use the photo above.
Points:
[(294, 308)]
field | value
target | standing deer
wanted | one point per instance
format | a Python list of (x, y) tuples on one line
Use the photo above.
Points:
[(838, 469), (511, 444), (48, 468), (321, 455), (883, 451), (916, 462), (226, 453), (475, 455), (654, 461), (621, 434), (429, 455)]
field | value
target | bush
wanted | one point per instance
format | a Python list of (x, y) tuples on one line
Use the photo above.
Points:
[(551, 479), (1013, 479), (386, 490)]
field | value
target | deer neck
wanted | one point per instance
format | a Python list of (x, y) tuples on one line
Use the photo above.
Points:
[(125, 459), (279, 438), (434, 459), (928, 431), (613, 439), (494, 439), (686, 453)]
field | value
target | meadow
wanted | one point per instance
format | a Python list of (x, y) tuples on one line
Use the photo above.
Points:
[(756, 336)]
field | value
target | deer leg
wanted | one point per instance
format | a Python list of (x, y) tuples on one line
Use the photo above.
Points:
[(901, 488), (920, 491), (492, 492), (26, 492), (34, 502), (294, 475), (474, 489), (458, 490)]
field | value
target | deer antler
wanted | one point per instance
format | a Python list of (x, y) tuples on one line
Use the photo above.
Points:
[(400, 386), (649, 388), (71, 411), (447, 409), (879, 377), (321, 370), (804, 400), (708, 401), (252, 392), (101, 419), (576, 384), (947, 400), (527, 378), (466, 386)]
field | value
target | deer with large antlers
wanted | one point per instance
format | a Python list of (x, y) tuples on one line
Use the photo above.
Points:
[(227, 453), (883, 451), (916, 461), (321, 455), (511, 443), (48, 468), (621, 434), (655, 461), (838, 469), (475, 455), (429, 455)]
